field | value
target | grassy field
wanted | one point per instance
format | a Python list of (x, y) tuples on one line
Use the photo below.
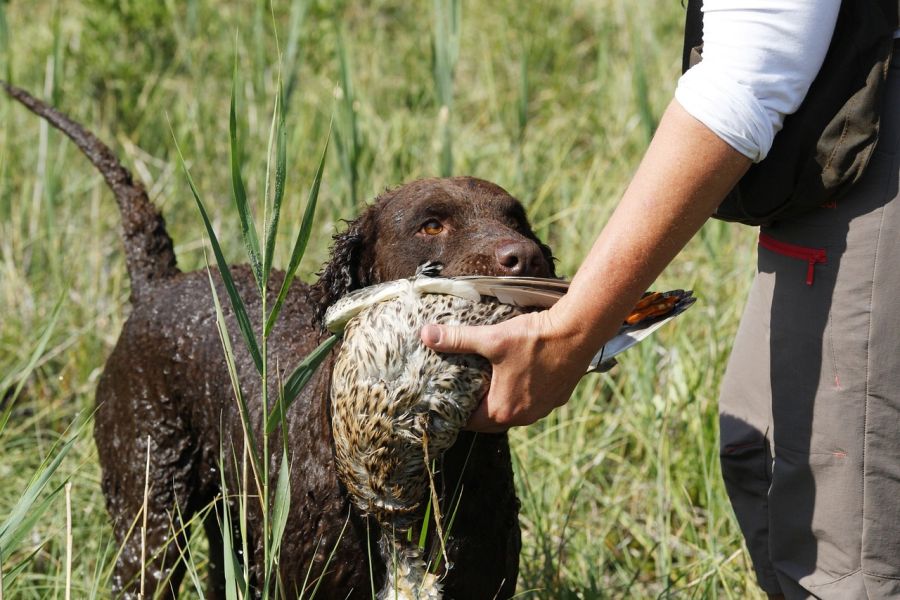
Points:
[(554, 100)]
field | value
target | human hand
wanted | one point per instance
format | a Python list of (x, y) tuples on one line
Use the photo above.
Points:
[(537, 361)]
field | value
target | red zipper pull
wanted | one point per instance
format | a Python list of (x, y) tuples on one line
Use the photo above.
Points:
[(814, 259), (813, 256)]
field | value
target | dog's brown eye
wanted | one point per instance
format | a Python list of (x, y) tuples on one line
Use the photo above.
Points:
[(432, 227)]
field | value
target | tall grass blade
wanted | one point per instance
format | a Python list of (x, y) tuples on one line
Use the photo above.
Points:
[(292, 50), (105, 548), (334, 548), (185, 554), (233, 578), (26, 511), (309, 568), (281, 507), (34, 514), (642, 87), (259, 45), (372, 589), (57, 59), (6, 210), (9, 576), (240, 311), (523, 97), (445, 50), (191, 17), (446, 142), (423, 534), (23, 374), (235, 383), (4, 35), (280, 133), (447, 16), (298, 379), (454, 503), (239, 192), (347, 129), (301, 241)]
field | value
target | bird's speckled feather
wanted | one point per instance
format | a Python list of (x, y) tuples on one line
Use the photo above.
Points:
[(391, 395), (388, 390)]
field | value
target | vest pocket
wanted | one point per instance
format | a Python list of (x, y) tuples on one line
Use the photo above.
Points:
[(812, 256)]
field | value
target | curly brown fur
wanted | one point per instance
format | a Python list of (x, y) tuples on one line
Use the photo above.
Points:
[(350, 265), (166, 385), (485, 232)]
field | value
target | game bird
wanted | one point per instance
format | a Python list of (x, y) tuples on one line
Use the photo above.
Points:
[(397, 405)]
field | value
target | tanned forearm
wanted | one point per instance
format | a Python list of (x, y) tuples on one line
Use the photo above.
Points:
[(684, 175)]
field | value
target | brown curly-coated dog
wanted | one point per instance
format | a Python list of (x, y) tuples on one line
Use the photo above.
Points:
[(166, 384)]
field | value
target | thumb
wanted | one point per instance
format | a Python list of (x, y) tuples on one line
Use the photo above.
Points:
[(455, 340)]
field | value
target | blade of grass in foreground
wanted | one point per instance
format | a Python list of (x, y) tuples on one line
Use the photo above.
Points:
[(280, 509), (297, 380), (280, 134), (10, 576), (300, 242), (240, 311), (330, 556), (523, 97), (445, 49), (229, 559), (4, 34), (27, 510), (248, 227), (25, 373), (184, 552), (235, 383)]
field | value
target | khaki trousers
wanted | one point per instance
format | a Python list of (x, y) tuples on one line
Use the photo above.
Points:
[(810, 404)]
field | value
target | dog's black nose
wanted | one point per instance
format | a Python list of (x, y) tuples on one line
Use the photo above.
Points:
[(519, 258)]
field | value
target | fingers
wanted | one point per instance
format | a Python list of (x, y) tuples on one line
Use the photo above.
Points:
[(529, 377), (457, 340), (496, 415), (507, 404), (481, 421), (493, 415), (467, 340)]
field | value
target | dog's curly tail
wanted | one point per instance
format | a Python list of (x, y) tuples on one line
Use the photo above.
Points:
[(149, 253)]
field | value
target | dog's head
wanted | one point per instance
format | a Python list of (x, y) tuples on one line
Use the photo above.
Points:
[(470, 226)]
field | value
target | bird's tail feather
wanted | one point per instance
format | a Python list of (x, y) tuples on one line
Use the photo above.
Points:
[(407, 574)]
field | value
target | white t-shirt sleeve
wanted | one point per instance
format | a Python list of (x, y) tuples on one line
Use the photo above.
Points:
[(759, 59)]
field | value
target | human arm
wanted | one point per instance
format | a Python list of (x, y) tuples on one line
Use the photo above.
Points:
[(539, 357), (760, 56)]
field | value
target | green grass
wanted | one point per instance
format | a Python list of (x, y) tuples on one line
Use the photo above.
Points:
[(621, 493)]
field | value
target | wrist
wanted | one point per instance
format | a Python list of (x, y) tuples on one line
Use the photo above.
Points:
[(585, 327)]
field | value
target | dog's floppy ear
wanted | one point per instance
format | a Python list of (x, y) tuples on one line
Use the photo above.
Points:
[(351, 263)]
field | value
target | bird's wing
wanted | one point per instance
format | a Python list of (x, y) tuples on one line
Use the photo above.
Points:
[(339, 314), (525, 292), (651, 313), (675, 302)]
